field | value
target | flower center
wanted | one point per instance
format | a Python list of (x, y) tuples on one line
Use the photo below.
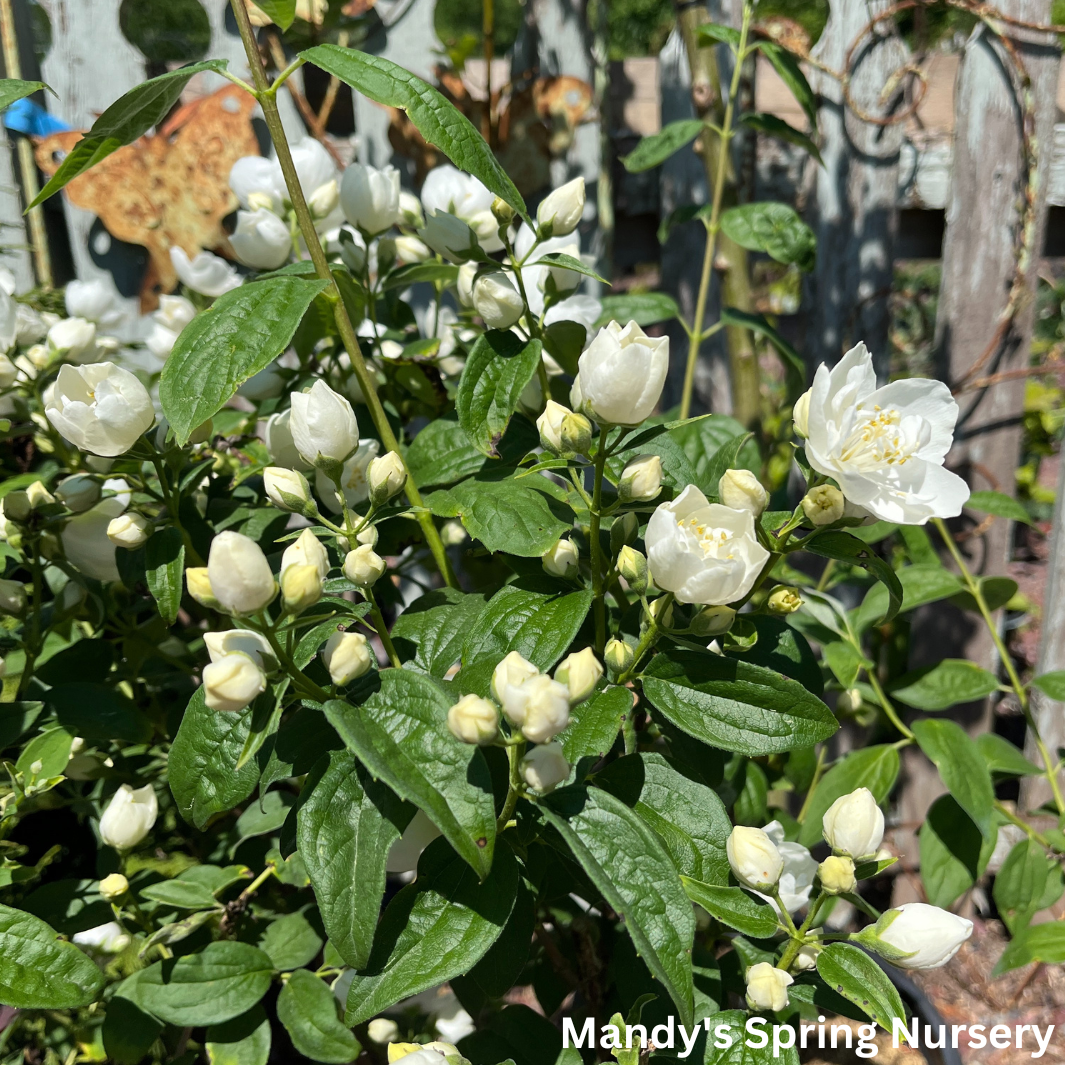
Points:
[(876, 440), (713, 543)]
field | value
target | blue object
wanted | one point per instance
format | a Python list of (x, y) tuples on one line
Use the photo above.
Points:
[(24, 116)]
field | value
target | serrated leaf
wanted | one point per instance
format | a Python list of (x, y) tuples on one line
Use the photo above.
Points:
[(628, 863), (345, 826), (777, 127), (129, 117), (962, 768), (733, 906), (164, 568), (735, 705), (643, 308), (434, 929), (308, 1010), (658, 147), (430, 633), (852, 973), (436, 119), (999, 504), (947, 683), (241, 333), (398, 729), (875, 768), (774, 228)]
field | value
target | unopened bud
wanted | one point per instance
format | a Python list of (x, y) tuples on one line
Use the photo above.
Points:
[(662, 611), (823, 505), (641, 480), (17, 506), (754, 858), (503, 212), (301, 587), (623, 531), (12, 597), (713, 621), (619, 656), (576, 434), (38, 495), (287, 489), (347, 656), (550, 426), (113, 887), (129, 531), (837, 875), (632, 565), (473, 720), (849, 701), (199, 585), (364, 566), (323, 201), (562, 560), (741, 490), (784, 600), (386, 476), (580, 672)]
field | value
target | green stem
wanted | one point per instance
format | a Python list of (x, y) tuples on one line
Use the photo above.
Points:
[(647, 641), (1010, 816), (890, 710), (172, 507), (321, 266), (597, 547), (515, 752), (382, 628), (299, 679), (818, 770), (799, 938)]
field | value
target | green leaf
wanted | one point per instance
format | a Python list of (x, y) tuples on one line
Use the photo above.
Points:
[(1043, 942), (658, 147), (841, 546), (164, 568), (714, 445), (265, 817), (412, 273), (679, 215), (180, 893), (733, 906), (345, 827), (245, 1040), (1028, 882), (786, 65), (875, 768), (783, 649), (687, 817), (794, 365), (853, 974), (1002, 757), (16, 718), (845, 661), (564, 341), (920, 585), (505, 515), (962, 768), (711, 33), (954, 854), (202, 761), (570, 262), (643, 308), (240, 334), (434, 929), (777, 127), (38, 971), (949, 682), (594, 724), (735, 705), (51, 748), (308, 1010), (98, 712), (281, 12), (400, 734), (1052, 685), (999, 504), (442, 454), (429, 634), (222, 981), (129, 117), (628, 863), (12, 90), (290, 942), (497, 370), (128, 1031), (774, 228), (539, 627), (437, 120)]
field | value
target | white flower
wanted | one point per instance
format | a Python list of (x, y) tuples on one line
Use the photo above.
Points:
[(507, 679), (232, 682), (100, 408), (324, 200), (382, 1030), (561, 210), (323, 424), (29, 325), (741, 490), (411, 250), (239, 573), (254, 180), (12, 597), (641, 480), (550, 425), (97, 300), (386, 477), (75, 338), (823, 505), (306, 550), (545, 767), (884, 446), (129, 531), (544, 708), (450, 190), (369, 197), (562, 559), (580, 672), (703, 552), (354, 478), (797, 876), (287, 489), (622, 373), (174, 313), (464, 284), (277, 435), (244, 641), (314, 167), (473, 720), (84, 537), (105, 938), (129, 817), (78, 492), (497, 301), (410, 209), (854, 825), (364, 566), (8, 372), (930, 936), (754, 858), (347, 656), (582, 309), (261, 240), (448, 236), (767, 987), (207, 274), (807, 957)]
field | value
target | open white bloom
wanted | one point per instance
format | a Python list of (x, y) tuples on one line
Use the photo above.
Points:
[(207, 274), (254, 180), (97, 300), (129, 531), (261, 240), (323, 424), (885, 447), (545, 767), (253, 644), (741, 490), (100, 408), (354, 478), (277, 435), (451, 191), (754, 858), (473, 720), (507, 680), (129, 817), (75, 338), (497, 301), (580, 672), (347, 656), (797, 876), (239, 573), (930, 936), (703, 552), (545, 708), (561, 210), (106, 938), (767, 987), (174, 313), (622, 373), (854, 825), (232, 682), (369, 197)]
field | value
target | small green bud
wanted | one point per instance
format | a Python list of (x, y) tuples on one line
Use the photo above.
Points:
[(619, 656), (624, 530), (713, 621), (576, 434), (784, 600), (632, 565)]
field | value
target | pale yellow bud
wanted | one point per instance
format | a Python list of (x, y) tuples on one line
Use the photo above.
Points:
[(641, 480), (129, 531), (199, 585), (784, 600), (473, 720), (364, 566), (632, 565), (347, 656), (580, 672), (823, 505), (113, 887), (301, 587), (618, 655), (386, 476), (741, 490), (662, 611), (837, 875), (767, 987), (562, 560)]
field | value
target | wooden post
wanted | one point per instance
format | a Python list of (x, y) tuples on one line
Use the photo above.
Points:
[(853, 206)]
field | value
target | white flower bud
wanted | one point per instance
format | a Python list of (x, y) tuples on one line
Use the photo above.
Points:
[(784, 600), (129, 817), (232, 682), (253, 644), (113, 886), (17, 506), (823, 505), (800, 414), (854, 825), (662, 611), (754, 858), (411, 250), (287, 489), (239, 574), (550, 426), (100, 408), (713, 621), (323, 201), (741, 490), (347, 656), (561, 210), (837, 875), (497, 301), (576, 434), (369, 197), (382, 1030), (580, 672), (622, 373), (464, 285), (364, 566), (928, 935), (562, 560), (301, 587), (323, 424), (453, 533), (38, 496), (449, 236), (473, 720), (507, 680), (307, 550), (75, 338), (641, 480), (806, 959), (261, 240), (12, 597), (618, 655), (410, 210), (767, 987), (129, 531), (545, 767), (198, 583), (386, 477), (546, 709)]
